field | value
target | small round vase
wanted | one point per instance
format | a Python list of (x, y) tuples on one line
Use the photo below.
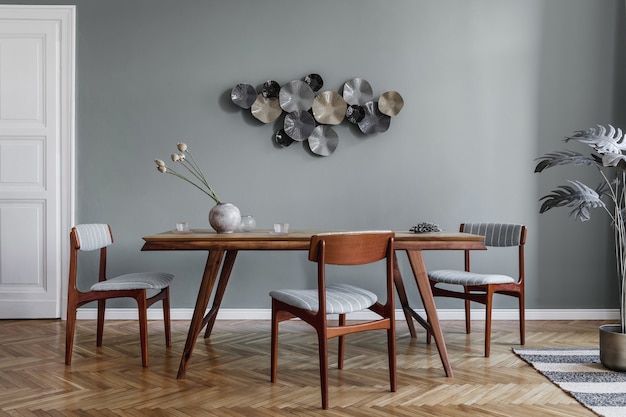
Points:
[(248, 223), (224, 218)]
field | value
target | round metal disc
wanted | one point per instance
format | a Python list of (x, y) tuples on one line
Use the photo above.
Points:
[(357, 91), (243, 95), (266, 109), (329, 108), (323, 141), (314, 81), (374, 121), (282, 139), (270, 89), (296, 95), (299, 125), (390, 103), (355, 113)]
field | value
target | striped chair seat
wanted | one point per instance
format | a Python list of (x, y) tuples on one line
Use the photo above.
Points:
[(136, 281), (447, 276), (340, 298)]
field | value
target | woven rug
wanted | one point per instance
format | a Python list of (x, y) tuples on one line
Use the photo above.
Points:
[(580, 373)]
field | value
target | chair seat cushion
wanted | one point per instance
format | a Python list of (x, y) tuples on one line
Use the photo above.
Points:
[(340, 298), (135, 281), (447, 276)]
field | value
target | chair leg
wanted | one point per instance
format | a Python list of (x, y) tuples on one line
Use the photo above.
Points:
[(274, 344), (391, 352), (488, 305), (70, 327), (166, 318), (143, 327), (468, 313), (341, 342), (323, 353), (522, 320), (100, 324)]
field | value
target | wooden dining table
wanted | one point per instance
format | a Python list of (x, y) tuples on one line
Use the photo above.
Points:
[(223, 248)]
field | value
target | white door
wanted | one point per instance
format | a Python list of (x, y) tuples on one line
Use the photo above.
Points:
[(36, 157)]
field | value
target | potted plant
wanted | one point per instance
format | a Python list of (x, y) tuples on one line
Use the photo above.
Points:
[(609, 159), (223, 217)]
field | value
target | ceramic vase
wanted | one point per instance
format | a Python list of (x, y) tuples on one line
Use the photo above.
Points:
[(224, 218), (613, 347)]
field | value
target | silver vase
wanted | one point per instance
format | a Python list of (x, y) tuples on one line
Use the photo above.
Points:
[(224, 218)]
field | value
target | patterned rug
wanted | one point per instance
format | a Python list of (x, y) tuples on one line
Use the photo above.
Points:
[(580, 373)]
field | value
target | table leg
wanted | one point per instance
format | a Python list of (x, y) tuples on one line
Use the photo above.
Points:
[(213, 263), (404, 301), (227, 268), (421, 278)]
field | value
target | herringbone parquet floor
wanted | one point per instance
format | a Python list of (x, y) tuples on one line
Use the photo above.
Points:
[(229, 373)]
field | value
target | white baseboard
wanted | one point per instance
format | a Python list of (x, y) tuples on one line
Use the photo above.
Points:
[(444, 314)]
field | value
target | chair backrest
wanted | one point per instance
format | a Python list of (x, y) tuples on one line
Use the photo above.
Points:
[(92, 236), (351, 248), (497, 234), (88, 237)]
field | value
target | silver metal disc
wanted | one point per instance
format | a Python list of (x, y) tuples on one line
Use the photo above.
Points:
[(296, 95), (299, 125), (243, 95), (323, 141), (357, 91), (374, 121)]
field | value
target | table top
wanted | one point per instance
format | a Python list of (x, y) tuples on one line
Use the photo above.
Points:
[(207, 239)]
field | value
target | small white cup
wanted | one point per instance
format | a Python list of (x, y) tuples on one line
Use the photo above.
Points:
[(281, 227), (182, 226)]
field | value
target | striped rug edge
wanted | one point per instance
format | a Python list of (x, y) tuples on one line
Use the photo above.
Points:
[(579, 372)]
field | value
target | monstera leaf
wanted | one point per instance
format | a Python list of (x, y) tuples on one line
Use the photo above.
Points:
[(578, 195), (566, 157), (603, 142)]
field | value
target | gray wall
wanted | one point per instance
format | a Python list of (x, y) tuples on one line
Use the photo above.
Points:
[(489, 85)]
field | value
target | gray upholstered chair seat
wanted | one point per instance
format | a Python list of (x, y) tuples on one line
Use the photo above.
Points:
[(446, 276), (135, 281), (340, 298)]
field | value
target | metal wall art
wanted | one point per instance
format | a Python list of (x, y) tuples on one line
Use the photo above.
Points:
[(309, 114)]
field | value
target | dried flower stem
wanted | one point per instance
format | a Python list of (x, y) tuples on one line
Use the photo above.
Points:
[(197, 172), (193, 168), (210, 193)]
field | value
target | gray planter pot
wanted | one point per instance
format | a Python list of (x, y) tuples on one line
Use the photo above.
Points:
[(613, 347)]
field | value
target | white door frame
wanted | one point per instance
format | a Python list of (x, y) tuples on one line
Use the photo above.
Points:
[(65, 18)]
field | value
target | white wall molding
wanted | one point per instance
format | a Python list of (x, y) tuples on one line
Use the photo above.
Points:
[(444, 314)]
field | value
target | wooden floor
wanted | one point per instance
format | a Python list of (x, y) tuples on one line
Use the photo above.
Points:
[(229, 373)]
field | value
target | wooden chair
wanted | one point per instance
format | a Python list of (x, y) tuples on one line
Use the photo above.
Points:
[(312, 306), (480, 287), (89, 237)]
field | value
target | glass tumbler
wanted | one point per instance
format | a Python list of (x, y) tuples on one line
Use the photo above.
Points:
[(248, 223)]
